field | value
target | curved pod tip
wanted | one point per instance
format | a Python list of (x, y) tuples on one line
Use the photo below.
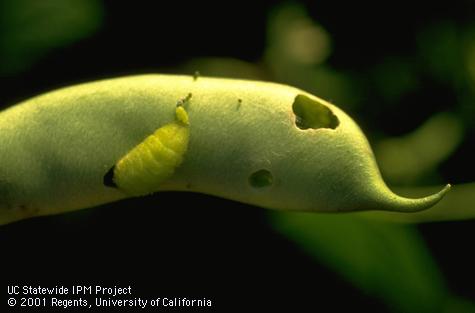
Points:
[(402, 204)]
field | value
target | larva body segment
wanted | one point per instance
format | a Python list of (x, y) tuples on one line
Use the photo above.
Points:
[(146, 166)]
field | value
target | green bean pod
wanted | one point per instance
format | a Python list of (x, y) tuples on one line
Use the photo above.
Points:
[(265, 144)]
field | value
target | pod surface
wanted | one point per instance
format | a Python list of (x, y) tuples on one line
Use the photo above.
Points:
[(261, 143)]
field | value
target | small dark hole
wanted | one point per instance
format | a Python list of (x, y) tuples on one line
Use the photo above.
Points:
[(261, 179), (109, 178)]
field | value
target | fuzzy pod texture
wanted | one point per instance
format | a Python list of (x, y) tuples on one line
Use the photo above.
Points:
[(265, 144)]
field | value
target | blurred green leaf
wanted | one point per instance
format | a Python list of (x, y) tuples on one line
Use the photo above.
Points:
[(470, 57), (294, 37), (405, 159), (440, 49), (29, 29), (389, 261), (394, 77), (296, 52)]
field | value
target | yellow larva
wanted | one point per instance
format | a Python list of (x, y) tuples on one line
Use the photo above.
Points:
[(147, 165)]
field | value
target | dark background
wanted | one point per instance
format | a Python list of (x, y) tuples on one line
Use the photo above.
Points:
[(190, 245)]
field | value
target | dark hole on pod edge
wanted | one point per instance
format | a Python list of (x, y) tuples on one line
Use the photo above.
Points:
[(109, 178)]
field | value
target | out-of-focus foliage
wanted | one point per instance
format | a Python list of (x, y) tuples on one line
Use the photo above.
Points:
[(296, 53), (30, 29), (407, 158), (446, 54), (387, 260), (470, 57), (294, 37)]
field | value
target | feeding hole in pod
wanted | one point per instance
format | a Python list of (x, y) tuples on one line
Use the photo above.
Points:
[(261, 179), (108, 179), (310, 113)]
